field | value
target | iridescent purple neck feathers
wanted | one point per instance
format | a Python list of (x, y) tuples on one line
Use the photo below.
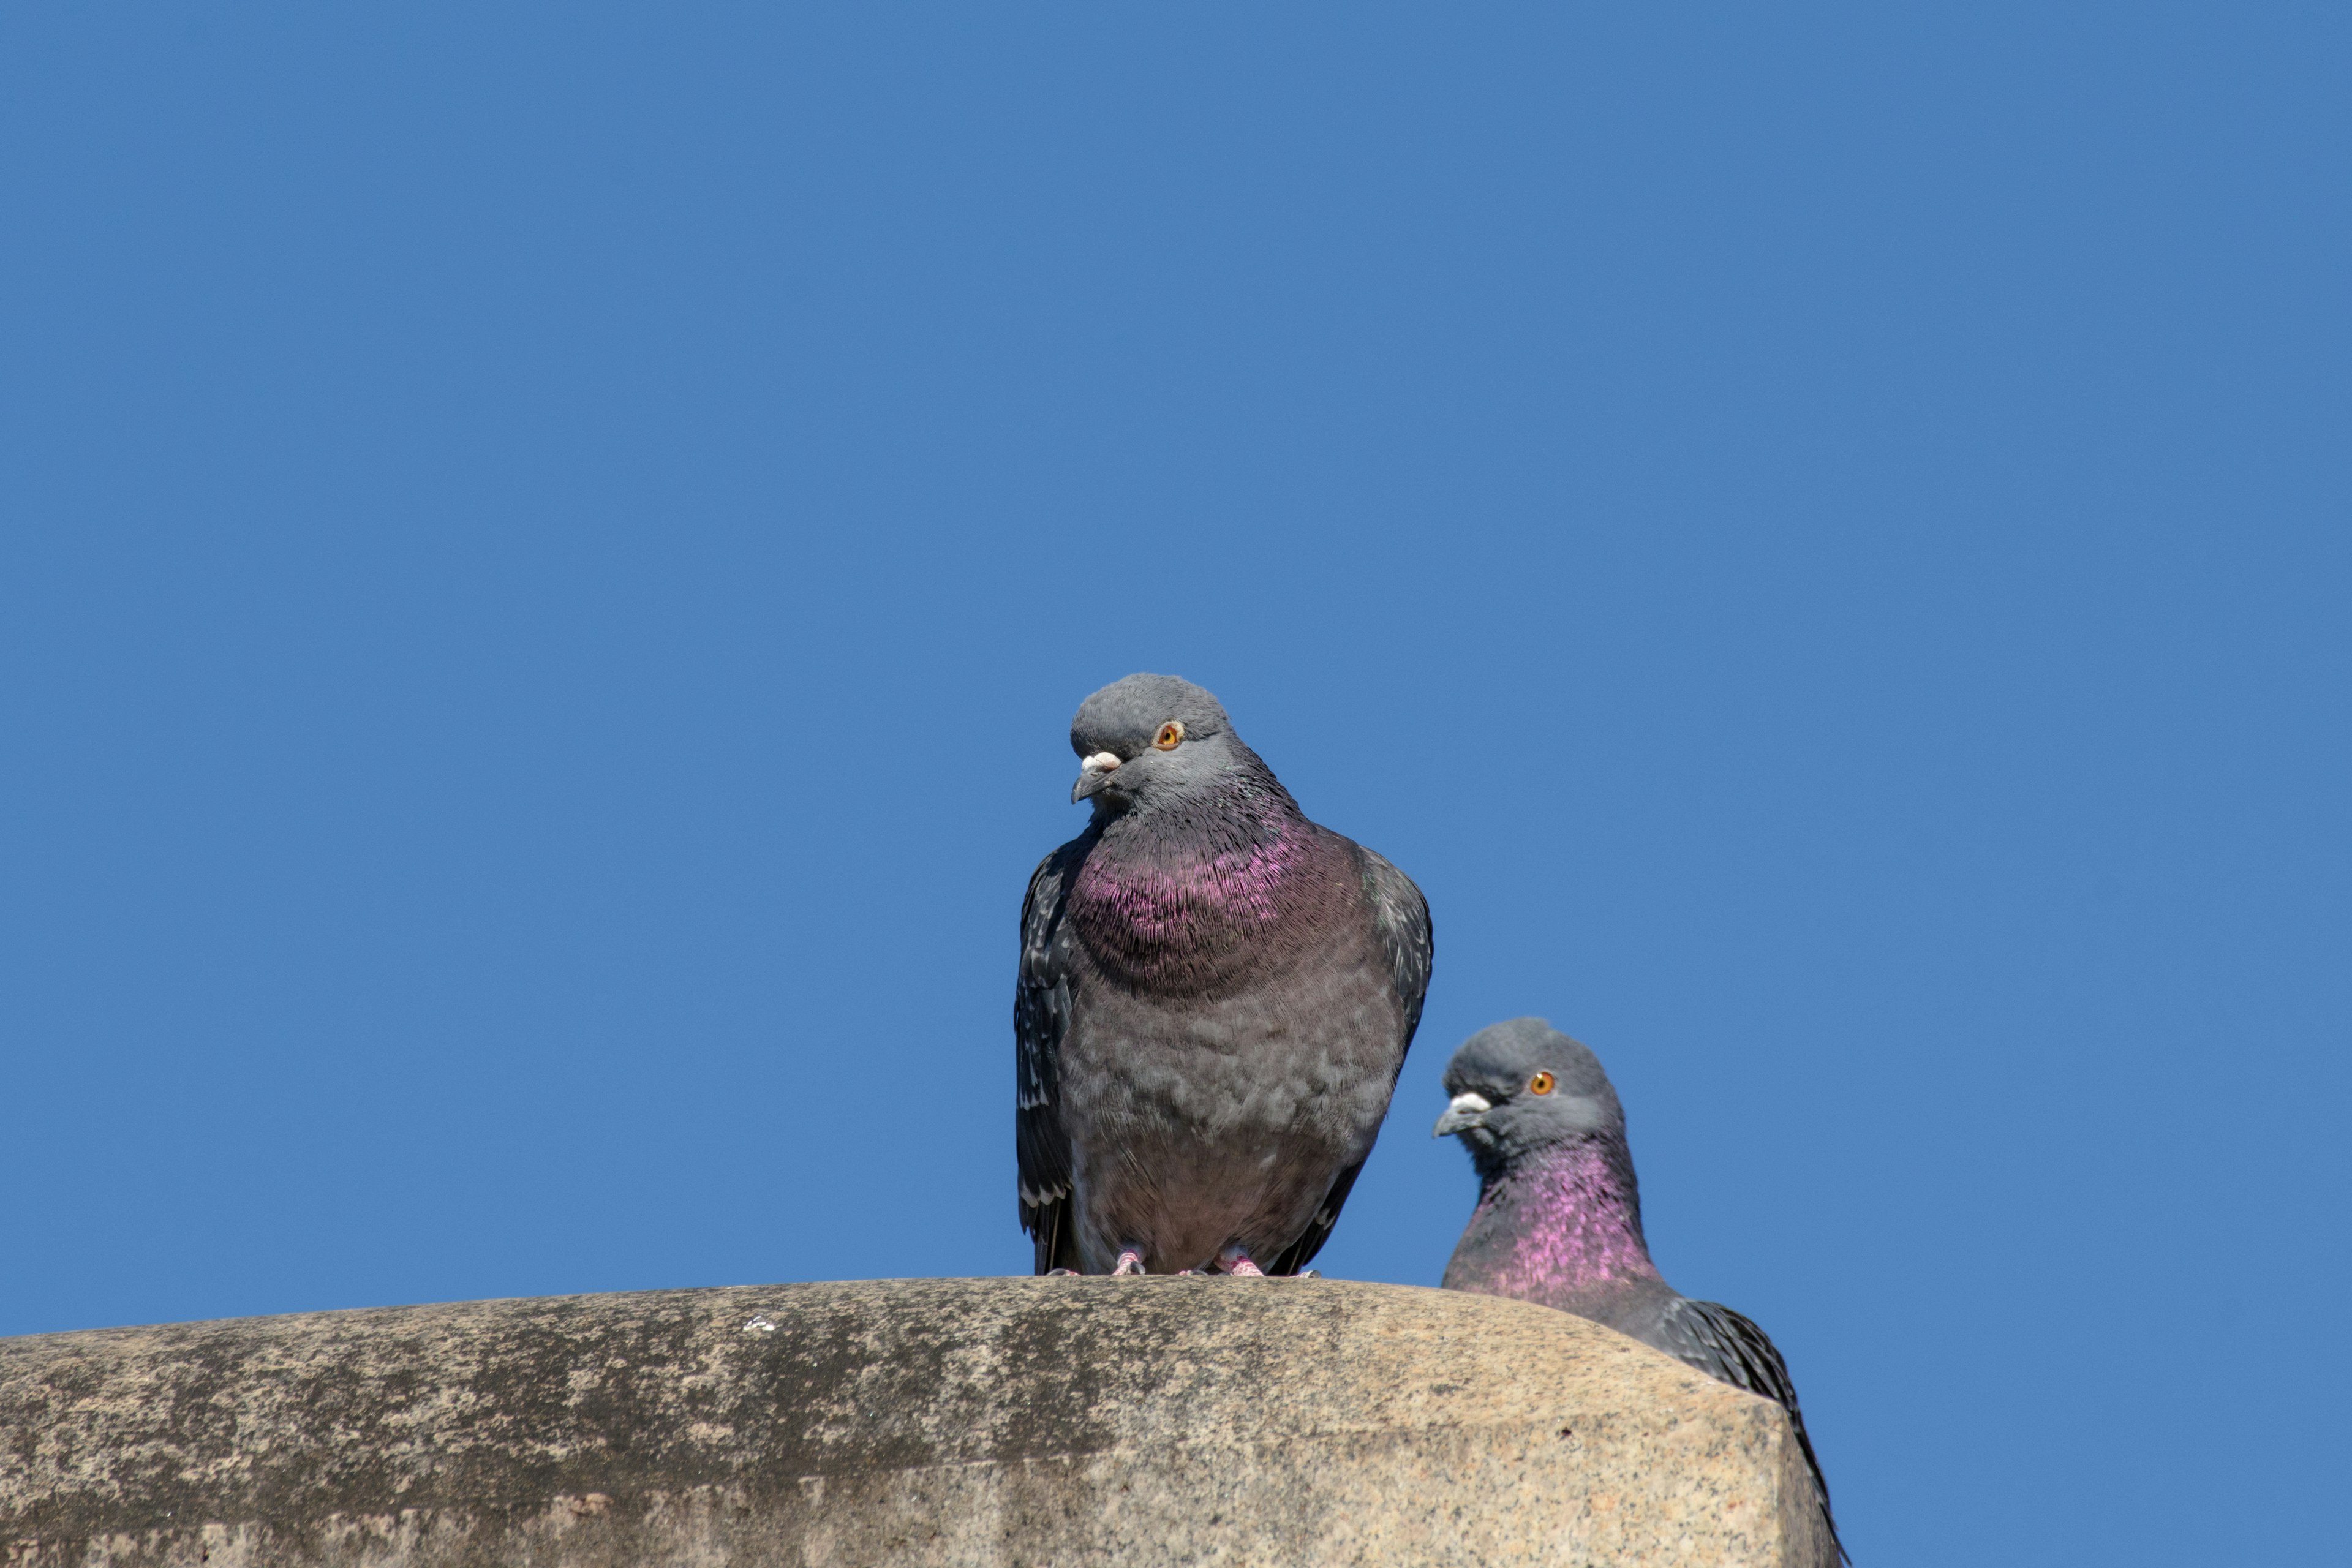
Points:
[(1564, 1228), (1195, 891)]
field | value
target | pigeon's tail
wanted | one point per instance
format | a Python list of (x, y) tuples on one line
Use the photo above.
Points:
[(1056, 1239)]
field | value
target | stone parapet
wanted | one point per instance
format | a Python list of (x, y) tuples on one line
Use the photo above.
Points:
[(1045, 1422)]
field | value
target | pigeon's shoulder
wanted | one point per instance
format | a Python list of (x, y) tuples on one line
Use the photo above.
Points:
[(1041, 1018), (1729, 1347), (1401, 917)]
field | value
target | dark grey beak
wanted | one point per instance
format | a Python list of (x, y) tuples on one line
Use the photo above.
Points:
[(1467, 1111), (1093, 773)]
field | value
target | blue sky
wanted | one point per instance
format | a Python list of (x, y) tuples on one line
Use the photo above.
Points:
[(550, 555)]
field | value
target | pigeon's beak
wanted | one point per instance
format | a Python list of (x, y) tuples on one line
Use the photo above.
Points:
[(1091, 774), (1467, 1111)]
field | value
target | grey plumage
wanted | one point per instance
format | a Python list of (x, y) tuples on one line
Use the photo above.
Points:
[(1215, 997), (1558, 1219)]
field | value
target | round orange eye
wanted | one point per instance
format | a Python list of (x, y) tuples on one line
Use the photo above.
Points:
[(1539, 1084), (1170, 733)]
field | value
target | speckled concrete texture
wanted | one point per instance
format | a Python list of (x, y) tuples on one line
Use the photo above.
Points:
[(903, 1422)]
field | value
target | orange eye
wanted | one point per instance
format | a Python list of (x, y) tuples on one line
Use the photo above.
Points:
[(1170, 733), (1539, 1084)]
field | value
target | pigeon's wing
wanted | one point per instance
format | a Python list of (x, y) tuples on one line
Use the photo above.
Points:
[(1725, 1345), (1041, 1015), (1400, 916)]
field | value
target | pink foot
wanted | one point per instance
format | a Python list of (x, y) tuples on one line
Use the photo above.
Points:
[(1129, 1262), (1237, 1262)]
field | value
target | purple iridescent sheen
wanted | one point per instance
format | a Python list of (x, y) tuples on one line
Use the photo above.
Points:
[(1565, 1228), (1160, 900), (1162, 909)]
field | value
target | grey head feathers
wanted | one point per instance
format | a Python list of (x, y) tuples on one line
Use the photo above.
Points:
[(1124, 717), (1520, 1087), (1150, 740)]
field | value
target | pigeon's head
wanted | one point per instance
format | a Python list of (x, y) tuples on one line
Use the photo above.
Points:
[(1522, 1085), (1145, 738)]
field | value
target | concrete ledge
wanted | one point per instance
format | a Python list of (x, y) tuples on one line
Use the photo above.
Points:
[(903, 1422)]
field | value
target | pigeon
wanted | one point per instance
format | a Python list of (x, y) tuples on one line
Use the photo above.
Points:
[(1215, 998), (1558, 1220)]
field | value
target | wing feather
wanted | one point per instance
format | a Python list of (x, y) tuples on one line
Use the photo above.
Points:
[(1041, 1016), (1728, 1347)]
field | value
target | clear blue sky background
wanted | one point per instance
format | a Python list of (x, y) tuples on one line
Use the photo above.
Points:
[(549, 553)]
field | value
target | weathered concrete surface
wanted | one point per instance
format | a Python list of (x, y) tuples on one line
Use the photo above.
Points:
[(903, 1422)]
